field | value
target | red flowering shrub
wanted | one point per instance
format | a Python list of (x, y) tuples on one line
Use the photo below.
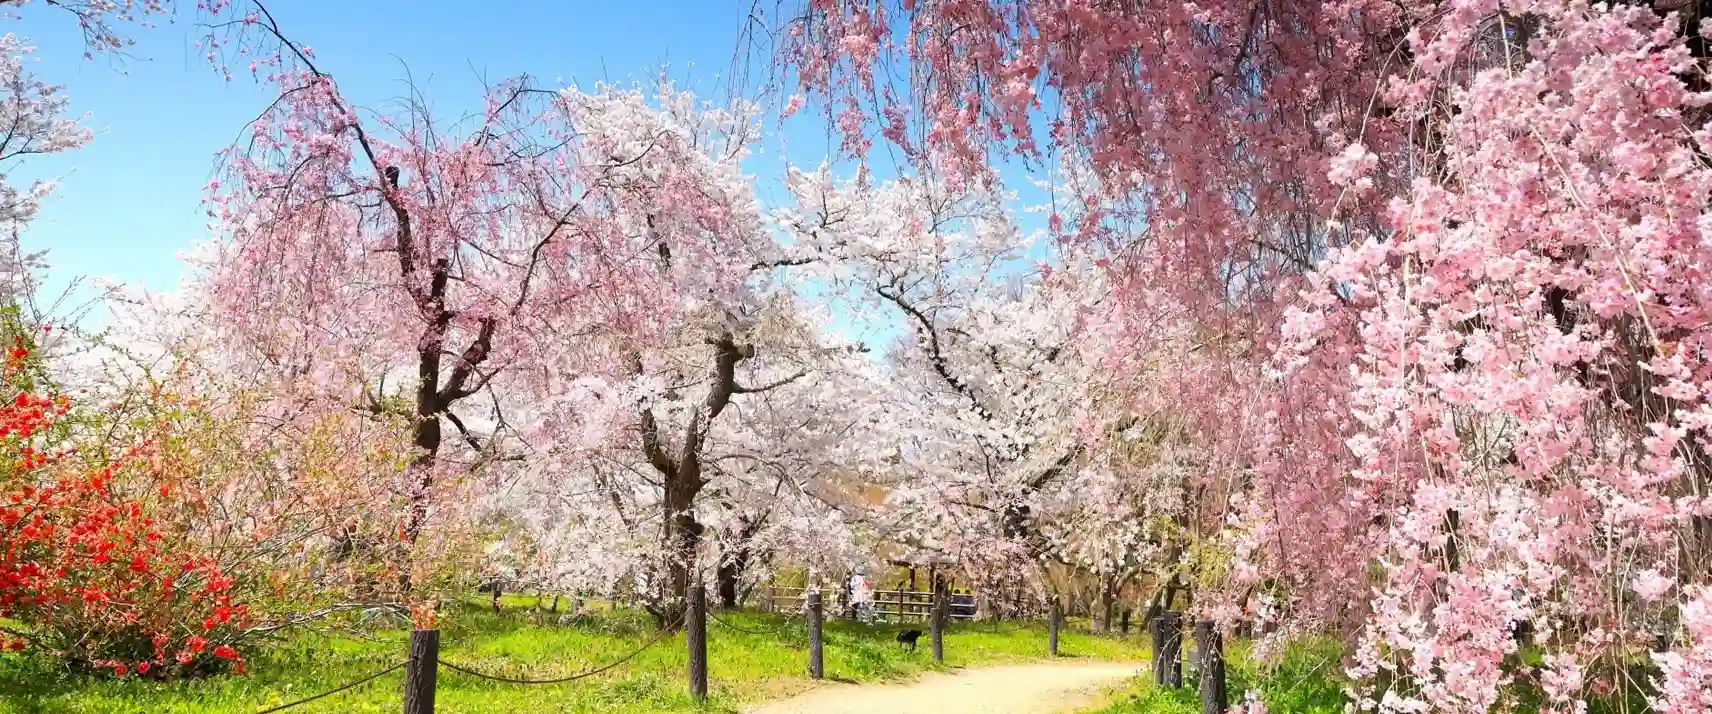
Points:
[(92, 558)]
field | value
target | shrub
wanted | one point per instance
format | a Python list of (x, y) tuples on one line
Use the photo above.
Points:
[(92, 558)]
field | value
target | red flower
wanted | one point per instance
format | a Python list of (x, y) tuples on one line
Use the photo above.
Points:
[(119, 669), (196, 643), (225, 652), (142, 668)]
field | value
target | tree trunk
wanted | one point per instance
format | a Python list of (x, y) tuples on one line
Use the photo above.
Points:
[(845, 597), (1164, 598), (683, 537), (432, 398), (426, 437), (682, 476), (730, 575), (1103, 606), (736, 563)]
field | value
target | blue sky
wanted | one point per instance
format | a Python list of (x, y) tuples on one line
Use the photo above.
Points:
[(128, 203)]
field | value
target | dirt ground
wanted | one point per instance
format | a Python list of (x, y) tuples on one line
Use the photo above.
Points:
[(1048, 688)]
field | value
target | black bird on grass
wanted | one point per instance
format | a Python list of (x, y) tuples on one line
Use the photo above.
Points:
[(908, 637)]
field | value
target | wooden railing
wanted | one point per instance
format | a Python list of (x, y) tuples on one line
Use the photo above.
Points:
[(888, 605)]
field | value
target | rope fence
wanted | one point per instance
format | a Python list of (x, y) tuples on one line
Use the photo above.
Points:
[(558, 680), (1014, 627), (781, 629), (331, 692), (422, 666), (417, 642)]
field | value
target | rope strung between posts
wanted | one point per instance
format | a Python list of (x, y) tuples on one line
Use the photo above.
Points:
[(364, 680), (771, 631), (560, 680), (1016, 626)]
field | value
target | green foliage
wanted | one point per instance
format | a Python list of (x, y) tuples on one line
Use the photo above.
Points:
[(1307, 679), (525, 642), (17, 333), (1304, 680)]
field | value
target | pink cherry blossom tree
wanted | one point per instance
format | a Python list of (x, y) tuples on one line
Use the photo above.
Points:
[(100, 20), (1486, 404), (457, 262), (35, 121), (1000, 442), (34, 115), (705, 447), (779, 469)]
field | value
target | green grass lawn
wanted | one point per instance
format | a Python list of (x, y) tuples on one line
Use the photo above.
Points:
[(521, 642)]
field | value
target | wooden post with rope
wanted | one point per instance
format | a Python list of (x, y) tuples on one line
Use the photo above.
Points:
[(421, 671), (816, 659)]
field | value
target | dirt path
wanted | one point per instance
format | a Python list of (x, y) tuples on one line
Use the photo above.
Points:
[(1050, 688)]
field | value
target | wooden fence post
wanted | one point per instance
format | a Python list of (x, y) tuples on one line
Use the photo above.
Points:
[(1156, 645), (1052, 618), (420, 672), (816, 661), (940, 603), (1211, 667), (1170, 654), (696, 637), (1197, 652)]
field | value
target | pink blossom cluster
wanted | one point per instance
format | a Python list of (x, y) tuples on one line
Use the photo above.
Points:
[(1460, 245)]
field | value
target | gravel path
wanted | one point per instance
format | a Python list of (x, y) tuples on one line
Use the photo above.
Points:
[(1051, 688)]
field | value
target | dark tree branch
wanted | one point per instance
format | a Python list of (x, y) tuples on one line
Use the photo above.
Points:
[(740, 389), (650, 429), (404, 237), (935, 354), (727, 353), (781, 263), (457, 384), (474, 442)]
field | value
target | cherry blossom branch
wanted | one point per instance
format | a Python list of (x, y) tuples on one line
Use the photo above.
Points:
[(405, 243), (936, 356), (740, 389)]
